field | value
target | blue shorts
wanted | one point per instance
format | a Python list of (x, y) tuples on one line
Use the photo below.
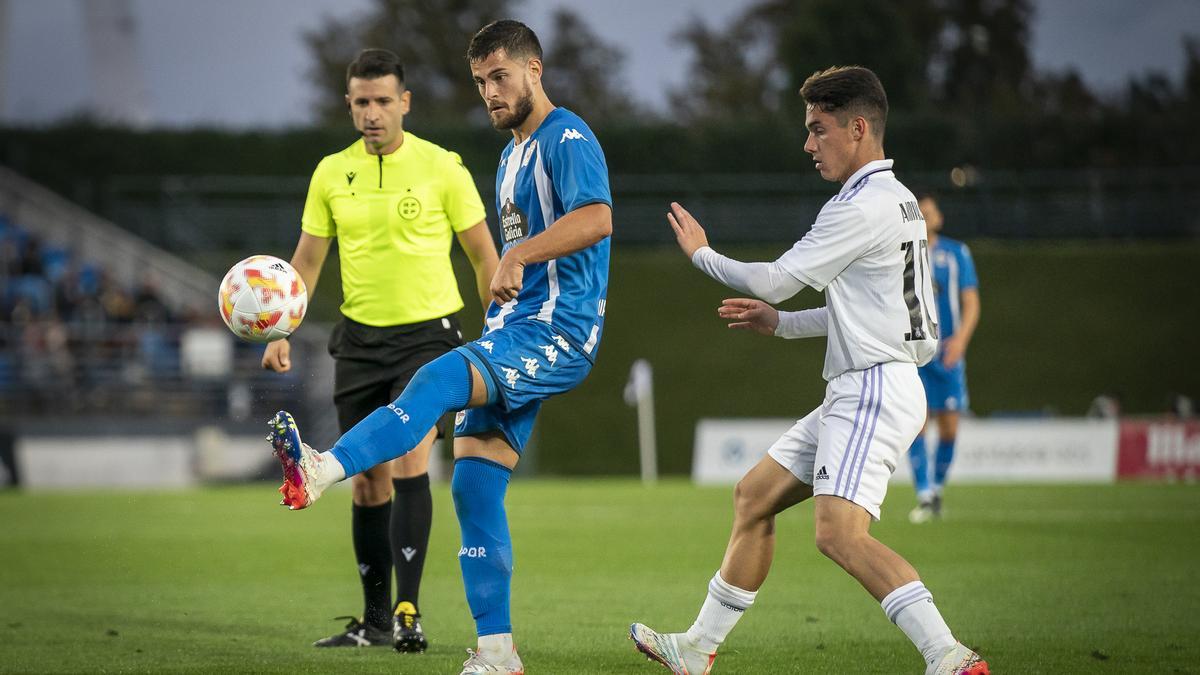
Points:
[(523, 364), (945, 388)]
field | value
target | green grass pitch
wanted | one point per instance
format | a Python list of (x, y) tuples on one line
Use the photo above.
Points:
[(1046, 579)]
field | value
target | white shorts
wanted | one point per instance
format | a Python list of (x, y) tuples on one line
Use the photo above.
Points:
[(850, 445)]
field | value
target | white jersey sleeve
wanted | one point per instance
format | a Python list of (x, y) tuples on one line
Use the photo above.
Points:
[(803, 324), (768, 281)]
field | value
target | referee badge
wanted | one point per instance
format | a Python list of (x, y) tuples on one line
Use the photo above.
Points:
[(409, 207)]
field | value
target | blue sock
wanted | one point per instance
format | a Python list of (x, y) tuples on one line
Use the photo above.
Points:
[(486, 555), (440, 386), (941, 464), (918, 457)]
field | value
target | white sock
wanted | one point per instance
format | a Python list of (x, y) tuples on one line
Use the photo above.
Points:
[(332, 470), (722, 608), (496, 648), (911, 608)]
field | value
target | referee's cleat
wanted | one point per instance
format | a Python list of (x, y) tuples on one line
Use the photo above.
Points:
[(356, 634), (301, 464), (958, 661), (407, 635), (672, 650)]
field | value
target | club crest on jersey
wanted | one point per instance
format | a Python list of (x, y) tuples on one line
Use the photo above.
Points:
[(511, 376), (531, 366), (571, 135), (550, 352), (409, 207), (514, 226)]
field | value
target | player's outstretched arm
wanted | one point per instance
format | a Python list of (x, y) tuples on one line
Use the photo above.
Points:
[(575, 231), (769, 281), (307, 261)]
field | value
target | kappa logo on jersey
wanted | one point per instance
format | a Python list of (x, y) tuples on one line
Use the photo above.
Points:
[(531, 366), (486, 344), (511, 376), (550, 352), (571, 135), (821, 474), (399, 412), (472, 552), (350, 177), (562, 343)]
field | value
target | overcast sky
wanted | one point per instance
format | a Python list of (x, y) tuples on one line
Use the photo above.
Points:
[(241, 63)]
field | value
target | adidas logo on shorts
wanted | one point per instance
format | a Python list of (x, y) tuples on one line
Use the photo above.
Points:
[(821, 474)]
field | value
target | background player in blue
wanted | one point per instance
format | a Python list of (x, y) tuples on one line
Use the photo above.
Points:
[(541, 335), (945, 377)]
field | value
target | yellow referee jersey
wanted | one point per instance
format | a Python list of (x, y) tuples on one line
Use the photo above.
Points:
[(394, 217)]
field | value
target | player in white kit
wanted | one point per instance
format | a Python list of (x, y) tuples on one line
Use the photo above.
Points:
[(867, 252)]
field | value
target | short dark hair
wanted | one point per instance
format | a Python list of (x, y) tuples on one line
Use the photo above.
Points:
[(848, 89), (924, 193), (515, 38), (373, 63)]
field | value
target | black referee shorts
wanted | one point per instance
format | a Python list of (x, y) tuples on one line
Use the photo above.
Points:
[(372, 364)]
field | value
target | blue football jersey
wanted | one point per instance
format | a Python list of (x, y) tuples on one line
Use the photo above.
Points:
[(953, 272), (557, 169)]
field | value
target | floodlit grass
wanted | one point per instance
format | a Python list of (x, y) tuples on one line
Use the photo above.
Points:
[(1041, 579)]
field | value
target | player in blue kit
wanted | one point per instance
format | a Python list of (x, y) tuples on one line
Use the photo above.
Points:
[(540, 338), (945, 377)]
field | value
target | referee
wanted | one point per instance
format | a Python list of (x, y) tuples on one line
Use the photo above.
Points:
[(394, 201)]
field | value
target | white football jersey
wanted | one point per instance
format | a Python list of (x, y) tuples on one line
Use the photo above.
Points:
[(868, 251)]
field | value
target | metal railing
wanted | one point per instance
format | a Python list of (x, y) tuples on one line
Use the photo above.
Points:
[(263, 213)]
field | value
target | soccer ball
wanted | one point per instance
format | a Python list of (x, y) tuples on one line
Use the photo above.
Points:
[(262, 298)]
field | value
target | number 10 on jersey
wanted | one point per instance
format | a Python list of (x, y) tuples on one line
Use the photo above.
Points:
[(918, 317)]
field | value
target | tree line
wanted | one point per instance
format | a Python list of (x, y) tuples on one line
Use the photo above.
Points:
[(959, 68)]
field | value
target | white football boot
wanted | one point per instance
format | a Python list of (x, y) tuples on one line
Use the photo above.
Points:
[(476, 663), (673, 650), (958, 661)]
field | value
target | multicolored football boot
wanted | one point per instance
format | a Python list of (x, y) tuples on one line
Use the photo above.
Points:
[(301, 464)]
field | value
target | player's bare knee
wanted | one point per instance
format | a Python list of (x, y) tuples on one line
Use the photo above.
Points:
[(836, 543), (749, 505)]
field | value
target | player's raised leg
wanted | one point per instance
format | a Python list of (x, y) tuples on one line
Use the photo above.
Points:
[(765, 491), (440, 386)]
